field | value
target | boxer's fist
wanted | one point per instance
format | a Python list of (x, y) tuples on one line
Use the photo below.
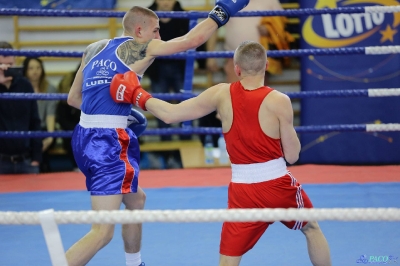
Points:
[(137, 122), (224, 9), (125, 88)]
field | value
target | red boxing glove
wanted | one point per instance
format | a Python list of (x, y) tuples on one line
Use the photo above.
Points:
[(125, 88)]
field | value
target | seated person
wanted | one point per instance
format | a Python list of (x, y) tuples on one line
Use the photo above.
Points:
[(34, 71)]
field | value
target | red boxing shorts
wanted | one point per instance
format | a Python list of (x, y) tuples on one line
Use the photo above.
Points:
[(285, 192)]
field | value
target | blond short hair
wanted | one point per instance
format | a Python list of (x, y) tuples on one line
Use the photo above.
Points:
[(136, 15), (251, 57)]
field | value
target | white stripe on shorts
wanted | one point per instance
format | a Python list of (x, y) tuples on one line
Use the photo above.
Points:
[(299, 200)]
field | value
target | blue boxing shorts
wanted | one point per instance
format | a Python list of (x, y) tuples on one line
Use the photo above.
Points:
[(108, 157)]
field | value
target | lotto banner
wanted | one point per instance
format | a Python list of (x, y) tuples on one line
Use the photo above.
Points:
[(58, 4), (350, 72)]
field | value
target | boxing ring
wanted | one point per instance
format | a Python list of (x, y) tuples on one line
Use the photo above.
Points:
[(358, 208)]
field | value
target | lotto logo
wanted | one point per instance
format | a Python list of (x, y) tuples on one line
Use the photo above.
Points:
[(120, 92)]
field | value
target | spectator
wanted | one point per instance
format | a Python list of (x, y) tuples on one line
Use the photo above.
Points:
[(18, 155), (33, 70), (241, 29), (167, 75), (67, 116), (274, 36), (292, 27)]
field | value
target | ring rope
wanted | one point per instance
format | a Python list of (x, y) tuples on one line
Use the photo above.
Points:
[(384, 92), (372, 50), (210, 215), (188, 130), (198, 14)]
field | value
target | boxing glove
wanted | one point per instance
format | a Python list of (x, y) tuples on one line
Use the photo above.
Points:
[(137, 122), (224, 9), (126, 88)]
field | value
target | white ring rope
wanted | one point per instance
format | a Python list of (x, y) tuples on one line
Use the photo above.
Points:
[(375, 50), (383, 92), (382, 127), (211, 215), (382, 9)]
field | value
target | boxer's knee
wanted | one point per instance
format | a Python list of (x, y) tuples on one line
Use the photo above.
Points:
[(311, 228), (135, 201), (103, 232)]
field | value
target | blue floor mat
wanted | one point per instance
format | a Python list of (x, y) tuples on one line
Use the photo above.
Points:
[(195, 244)]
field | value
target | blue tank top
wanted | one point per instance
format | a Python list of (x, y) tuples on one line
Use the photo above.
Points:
[(97, 76)]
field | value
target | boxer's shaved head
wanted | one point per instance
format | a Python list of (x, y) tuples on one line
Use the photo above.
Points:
[(137, 16), (251, 57)]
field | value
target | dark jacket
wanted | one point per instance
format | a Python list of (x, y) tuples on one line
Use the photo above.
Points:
[(170, 30), (20, 115)]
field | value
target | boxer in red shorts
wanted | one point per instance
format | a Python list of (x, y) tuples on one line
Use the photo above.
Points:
[(257, 123)]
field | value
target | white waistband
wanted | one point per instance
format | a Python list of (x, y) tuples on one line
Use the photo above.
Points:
[(103, 121), (258, 172)]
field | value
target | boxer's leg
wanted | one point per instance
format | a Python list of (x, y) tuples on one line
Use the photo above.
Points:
[(99, 235)]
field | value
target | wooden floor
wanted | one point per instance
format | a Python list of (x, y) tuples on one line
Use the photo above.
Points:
[(305, 174)]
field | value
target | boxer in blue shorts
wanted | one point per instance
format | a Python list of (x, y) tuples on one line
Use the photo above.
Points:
[(105, 148), (102, 166)]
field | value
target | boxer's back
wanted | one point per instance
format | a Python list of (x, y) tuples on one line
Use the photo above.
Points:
[(97, 75), (247, 140)]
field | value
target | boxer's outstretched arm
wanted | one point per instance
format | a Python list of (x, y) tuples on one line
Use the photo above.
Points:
[(191, 109), (193, 39), (218, 17), (75, 93)]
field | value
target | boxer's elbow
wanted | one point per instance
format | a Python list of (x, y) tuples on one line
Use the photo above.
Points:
[(174, 113), (291, 152), (291, 158), (168, 119), (171, 117), (74, 101), (71, 101), (291, 146), (173, 120)]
